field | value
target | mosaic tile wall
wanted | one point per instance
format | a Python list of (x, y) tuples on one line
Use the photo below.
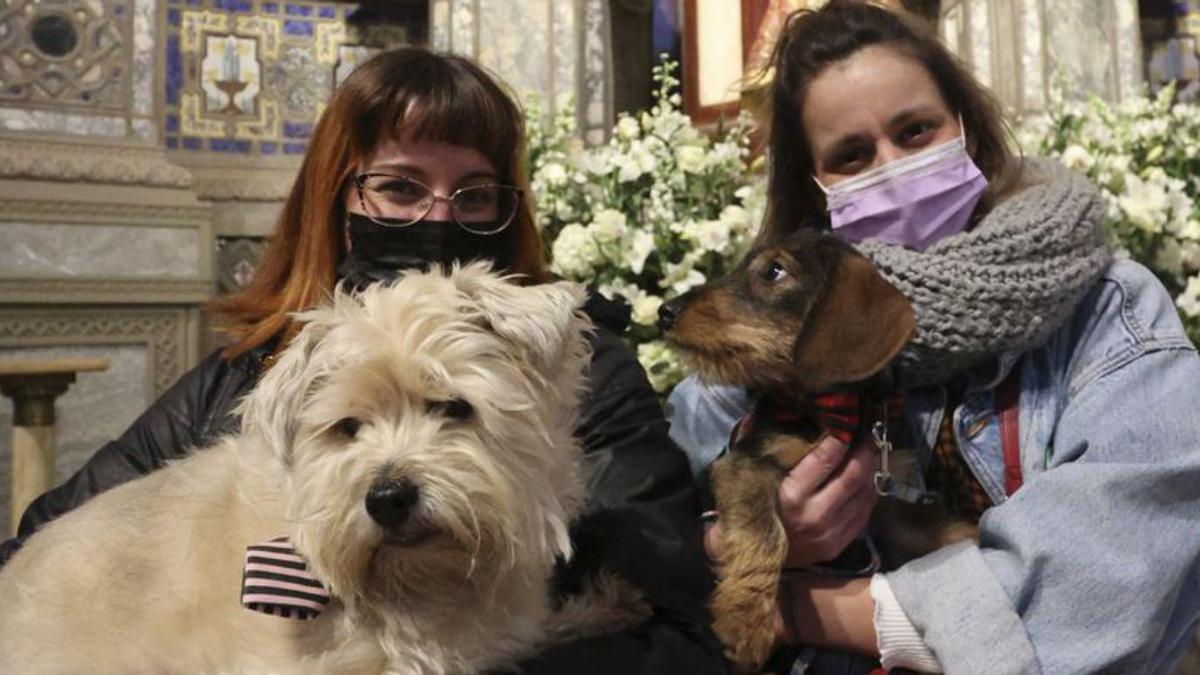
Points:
[(251, 77), (82, 67)]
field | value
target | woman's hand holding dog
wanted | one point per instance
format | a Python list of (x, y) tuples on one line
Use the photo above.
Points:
[(824, 502)]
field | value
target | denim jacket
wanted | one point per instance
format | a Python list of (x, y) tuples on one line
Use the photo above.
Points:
[(1094, 564)]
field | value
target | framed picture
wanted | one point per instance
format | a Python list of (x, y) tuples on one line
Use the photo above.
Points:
[(717, 37)]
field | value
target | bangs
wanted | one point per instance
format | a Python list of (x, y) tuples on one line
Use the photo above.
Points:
[(443, 100)]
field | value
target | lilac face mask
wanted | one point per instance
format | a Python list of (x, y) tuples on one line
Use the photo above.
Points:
[(913, 201)]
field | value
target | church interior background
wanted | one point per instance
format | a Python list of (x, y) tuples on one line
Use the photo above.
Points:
[(146, 145)]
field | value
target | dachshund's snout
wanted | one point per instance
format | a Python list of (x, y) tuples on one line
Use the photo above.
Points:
[(669, 312)]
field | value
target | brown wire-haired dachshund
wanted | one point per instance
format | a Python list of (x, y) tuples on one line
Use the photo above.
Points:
[(798, 318)]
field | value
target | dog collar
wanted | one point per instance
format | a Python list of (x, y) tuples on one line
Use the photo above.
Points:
[(276, 581), (837, 413)]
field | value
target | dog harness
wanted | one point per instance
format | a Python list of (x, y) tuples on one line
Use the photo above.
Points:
[(839, 414), (276, 581)]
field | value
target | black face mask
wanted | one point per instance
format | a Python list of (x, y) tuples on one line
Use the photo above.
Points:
[(380, 253)]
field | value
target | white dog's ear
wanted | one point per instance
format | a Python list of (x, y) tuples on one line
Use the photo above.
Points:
[(270, 409), (544, 320)]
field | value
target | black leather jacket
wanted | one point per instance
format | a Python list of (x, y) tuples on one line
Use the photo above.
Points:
[(642, 517)]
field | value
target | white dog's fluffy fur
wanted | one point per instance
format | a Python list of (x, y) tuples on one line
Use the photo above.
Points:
[(145, 577)]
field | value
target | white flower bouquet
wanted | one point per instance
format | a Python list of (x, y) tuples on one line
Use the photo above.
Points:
[(1144, 154), (657, 210), (662, 207)]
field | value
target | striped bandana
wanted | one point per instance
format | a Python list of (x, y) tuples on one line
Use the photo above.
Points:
[(276, 581)]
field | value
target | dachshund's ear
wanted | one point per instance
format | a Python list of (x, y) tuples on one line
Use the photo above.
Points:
[(856, 328)]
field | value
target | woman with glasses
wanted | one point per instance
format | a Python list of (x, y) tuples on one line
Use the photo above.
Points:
[(418, 160)]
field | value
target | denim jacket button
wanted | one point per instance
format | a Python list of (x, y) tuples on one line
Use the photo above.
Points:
[(976, 426)]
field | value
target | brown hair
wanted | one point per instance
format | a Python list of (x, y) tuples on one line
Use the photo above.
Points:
[(813, 40), (427, 97)]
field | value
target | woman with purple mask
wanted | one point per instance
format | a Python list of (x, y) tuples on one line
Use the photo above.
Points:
[(1087, 494)]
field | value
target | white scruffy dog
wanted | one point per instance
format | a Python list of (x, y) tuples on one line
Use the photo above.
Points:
[(415, 442)]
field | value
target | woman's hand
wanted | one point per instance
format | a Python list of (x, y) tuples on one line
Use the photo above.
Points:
[(825, 501)]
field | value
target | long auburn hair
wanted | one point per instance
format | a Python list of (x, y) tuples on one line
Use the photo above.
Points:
[(813, 40), (422, 95)]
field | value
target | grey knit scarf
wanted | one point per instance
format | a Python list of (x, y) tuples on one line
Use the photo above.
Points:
[(1005, 285)]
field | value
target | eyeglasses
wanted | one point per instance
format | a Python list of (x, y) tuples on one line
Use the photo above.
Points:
[(397, 201)]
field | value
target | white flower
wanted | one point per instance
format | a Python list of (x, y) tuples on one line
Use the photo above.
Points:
[(1191, 255), (1169, 256), (1112, 169), (643, 154), (574, 252), (1189, 301), (628, 170), (619, 287), (1144, 203), (563, 209), (1077, 157), (1133, 107), (1098, 134), (737, 217), (685, 132), (554, 174), (754, 197), (645, 309), (1032, 130), (1182, 223), (1190, 230), (725, 152), (690, 158), (608, 227), (1150, 128), (710, 235), (641, 245), (628, 128), (681, 277), (596, 161), (663, 366)]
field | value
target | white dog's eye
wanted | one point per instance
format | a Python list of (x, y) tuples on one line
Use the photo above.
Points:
[(454, 408), (347, 426)]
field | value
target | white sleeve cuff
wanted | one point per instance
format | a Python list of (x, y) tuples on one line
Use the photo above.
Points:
[(900, 646)]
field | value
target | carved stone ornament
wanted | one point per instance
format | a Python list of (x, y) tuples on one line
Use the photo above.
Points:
[(97, 212), (229, 183), (107, 291), (122, 164), (163, 331)]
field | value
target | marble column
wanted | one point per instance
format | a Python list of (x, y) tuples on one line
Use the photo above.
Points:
[(553, 48), (33, 386)]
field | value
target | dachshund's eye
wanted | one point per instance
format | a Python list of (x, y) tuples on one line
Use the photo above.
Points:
[(347, 427), (454, 408), (775, 272)]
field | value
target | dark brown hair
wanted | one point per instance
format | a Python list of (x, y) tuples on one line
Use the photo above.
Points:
[(813, 40), (426, 97)]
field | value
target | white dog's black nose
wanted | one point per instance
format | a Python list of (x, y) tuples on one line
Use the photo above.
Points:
[(390, 503)]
